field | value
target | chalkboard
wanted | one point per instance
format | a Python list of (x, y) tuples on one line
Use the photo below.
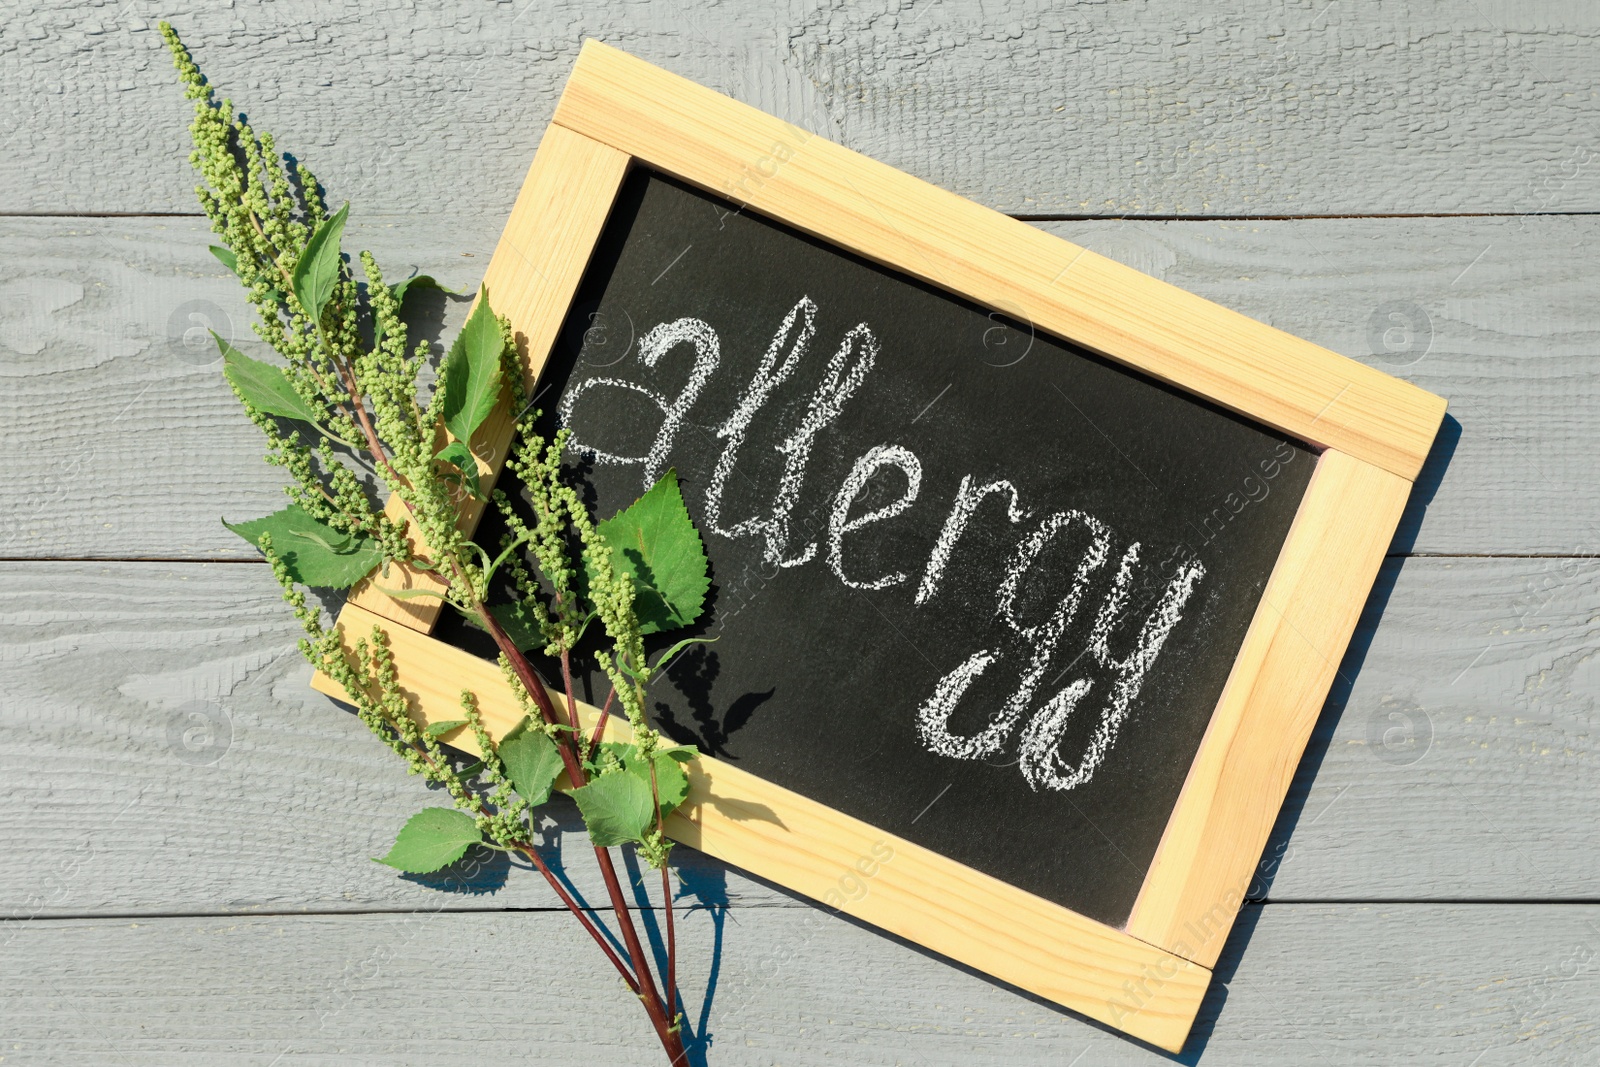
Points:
[(971, 584)]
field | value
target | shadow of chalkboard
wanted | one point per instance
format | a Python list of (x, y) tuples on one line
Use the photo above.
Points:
[(820, 682)]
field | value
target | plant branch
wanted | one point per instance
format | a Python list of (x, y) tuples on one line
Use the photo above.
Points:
[(572, 905)]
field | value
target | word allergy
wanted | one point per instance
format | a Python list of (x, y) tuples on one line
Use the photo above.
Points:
[(1035, 646)]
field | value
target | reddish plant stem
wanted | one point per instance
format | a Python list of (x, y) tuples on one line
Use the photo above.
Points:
[(671, 1041), (569, 755), (666, 904), (599, 730), (566, 682), (527, 848), (572, 906), (600, 725), (359, 403), (531, 682), (672, 949), (642, 982), (630, 939)]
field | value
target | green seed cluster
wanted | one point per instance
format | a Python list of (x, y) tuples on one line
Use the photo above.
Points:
[(265, 221), (560, 515), (351, 366)]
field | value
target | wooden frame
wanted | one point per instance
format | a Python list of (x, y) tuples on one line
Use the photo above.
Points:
[(1149, 977)]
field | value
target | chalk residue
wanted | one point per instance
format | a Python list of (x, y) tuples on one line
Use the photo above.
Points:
[(839, 522), (842, 378), (933, 718), (966, 502), (1042, 638), (1041, 761), (654, 345), (769, 375)]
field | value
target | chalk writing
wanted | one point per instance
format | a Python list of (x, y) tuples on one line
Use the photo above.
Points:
[(1027, 649)]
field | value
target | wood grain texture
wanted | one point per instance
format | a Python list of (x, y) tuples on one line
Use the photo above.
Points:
[(867, 873), (1259, 107), (1283, 674), (94, 313), (1457, 763), (1386, 986), (164, 753), (890, 217), (535, 269)]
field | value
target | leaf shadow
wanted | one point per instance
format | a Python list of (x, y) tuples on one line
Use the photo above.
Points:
[(694, 673), (649, 606), (743, 810), (481, 871), (706, 883)]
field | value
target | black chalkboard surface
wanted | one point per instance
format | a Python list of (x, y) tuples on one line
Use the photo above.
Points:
[(971, 584)]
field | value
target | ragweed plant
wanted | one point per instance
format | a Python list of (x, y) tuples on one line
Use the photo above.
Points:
[(343, 414)]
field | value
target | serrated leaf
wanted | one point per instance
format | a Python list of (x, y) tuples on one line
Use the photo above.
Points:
[(316, 272), (672, 784), (471, 372), (460, 456), (432, 838), (263, 385), (315, 554), (439, 729), (533, 763), (655, 541), (519, 624), (616, 808)]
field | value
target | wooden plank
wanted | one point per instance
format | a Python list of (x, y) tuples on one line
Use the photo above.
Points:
[(108, 404), (536, 267), (1396, 985), (1236, 785), (1258, 107), (1452, 766), (892, 218), (915, 893), (164, 753)]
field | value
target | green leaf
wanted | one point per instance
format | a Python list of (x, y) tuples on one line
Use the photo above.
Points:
[(264, 386), (231, 261), (460, 456), (655, 542), (314, 553), (533, 762), (519, 624), (670, 654), (316, 272), (616, 808), (524, 724), (672, 784), (439, 729), (472, 372), (432, 838)]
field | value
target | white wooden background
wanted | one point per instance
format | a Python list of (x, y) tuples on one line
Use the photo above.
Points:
[(1430, 894)]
